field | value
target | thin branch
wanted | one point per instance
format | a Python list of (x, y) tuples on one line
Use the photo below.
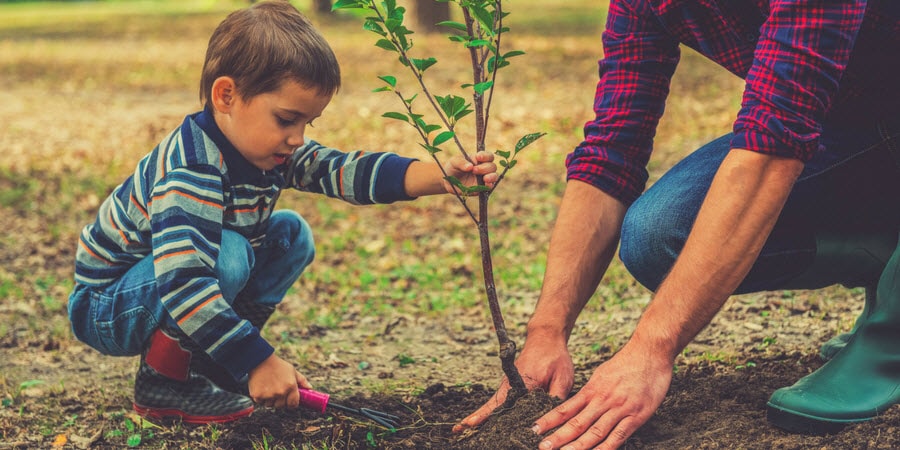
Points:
[(405, 57), (460, 197)]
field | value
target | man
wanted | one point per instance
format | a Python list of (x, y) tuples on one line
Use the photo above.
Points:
[(804, 193)]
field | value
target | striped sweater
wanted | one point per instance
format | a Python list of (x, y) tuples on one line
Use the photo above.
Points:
[(184, 193)]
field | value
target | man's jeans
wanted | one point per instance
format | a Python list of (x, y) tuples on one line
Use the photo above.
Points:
[(118, 319), (853, 187)]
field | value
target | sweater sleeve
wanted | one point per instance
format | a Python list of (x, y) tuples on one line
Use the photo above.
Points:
[(356, 177), (186, 213)]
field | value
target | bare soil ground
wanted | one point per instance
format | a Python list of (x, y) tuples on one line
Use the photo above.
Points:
[(389, 317), (712, 403)]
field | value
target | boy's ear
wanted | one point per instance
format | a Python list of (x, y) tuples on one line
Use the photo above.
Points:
[(224, 94)]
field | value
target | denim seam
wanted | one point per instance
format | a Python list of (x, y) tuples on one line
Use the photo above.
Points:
[(889, 139), (886, 140)]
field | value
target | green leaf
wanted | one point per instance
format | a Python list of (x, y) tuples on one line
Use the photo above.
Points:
[(477, 188), (396, 115), (375, 27), (443, 137), (510, 54), (485, 18), (482, 87), (454, 25), (347, 4), (382, 89), (430, 148), (423, 64), (456, 183), (397, 14), (389, 80), (503, 153), (134, 440), (478, 43), (389, 6), (386, 44), (429, 128), (462, 113), (527, 140), (493, 63), (393, 25)]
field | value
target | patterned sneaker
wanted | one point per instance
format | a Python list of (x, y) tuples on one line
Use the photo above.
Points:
[(166, 387)]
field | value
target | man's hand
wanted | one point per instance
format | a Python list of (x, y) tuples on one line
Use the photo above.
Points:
[(544, 364), (274, 383), (621, 395)]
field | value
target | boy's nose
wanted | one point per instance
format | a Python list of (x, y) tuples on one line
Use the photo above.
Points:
[(296, 139)]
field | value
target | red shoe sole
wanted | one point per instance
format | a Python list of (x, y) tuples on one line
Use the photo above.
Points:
[(159, 413)]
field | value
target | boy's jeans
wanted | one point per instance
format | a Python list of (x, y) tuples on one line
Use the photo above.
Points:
[(853, 186), (119, 319)]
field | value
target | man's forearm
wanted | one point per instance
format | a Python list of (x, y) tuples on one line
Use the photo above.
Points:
[(743, 204), (583, 242)]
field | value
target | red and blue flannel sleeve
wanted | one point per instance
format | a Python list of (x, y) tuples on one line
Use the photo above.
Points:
[(802, 52), (639, 60)]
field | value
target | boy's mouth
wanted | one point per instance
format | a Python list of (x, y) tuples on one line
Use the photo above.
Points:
[(280, 159)]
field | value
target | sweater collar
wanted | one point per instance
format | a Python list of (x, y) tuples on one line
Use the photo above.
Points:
[(239, 169)]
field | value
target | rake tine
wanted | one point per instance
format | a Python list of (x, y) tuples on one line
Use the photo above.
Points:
[(382, 418)]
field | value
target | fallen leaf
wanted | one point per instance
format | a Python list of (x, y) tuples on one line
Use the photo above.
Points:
[(60, 441)]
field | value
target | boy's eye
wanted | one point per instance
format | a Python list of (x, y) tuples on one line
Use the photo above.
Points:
[(285, 122)]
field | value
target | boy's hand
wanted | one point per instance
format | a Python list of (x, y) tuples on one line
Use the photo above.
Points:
[(274, 383), (467, 173)]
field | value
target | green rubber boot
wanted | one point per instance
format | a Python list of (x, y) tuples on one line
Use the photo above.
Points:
[(860, 382), (835, 344), (850, 260)]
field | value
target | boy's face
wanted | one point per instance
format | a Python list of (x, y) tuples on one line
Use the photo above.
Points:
[(269, 127)]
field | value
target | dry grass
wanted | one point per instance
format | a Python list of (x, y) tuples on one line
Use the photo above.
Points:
[(90, 88)]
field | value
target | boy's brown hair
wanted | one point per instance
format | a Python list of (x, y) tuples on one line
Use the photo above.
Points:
[(262, 46)]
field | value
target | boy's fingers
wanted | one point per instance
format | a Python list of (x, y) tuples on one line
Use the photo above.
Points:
[(485, 168), (484, 157)]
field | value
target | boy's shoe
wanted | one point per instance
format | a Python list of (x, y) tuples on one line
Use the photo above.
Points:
[(166, 387)]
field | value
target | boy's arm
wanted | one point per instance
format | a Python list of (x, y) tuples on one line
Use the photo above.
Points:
[(423, 178), (426, 178), (186, 214), (364, 178), (356, 177)]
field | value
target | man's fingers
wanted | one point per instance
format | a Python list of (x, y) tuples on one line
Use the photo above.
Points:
[(569, 409), (479, 416), (605, 434)]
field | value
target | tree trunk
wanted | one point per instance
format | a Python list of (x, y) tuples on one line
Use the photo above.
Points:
[(429, 13), (322, 7)]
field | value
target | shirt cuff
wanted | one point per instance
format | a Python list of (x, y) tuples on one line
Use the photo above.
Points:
[(390, 183), (253, 350)]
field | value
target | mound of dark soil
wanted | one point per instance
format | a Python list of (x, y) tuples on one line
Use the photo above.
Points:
[(708, 406)]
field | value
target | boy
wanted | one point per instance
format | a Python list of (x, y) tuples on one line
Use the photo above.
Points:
[(187, 260)]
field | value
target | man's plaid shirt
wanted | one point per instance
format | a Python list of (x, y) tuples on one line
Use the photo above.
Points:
[(806, 63)]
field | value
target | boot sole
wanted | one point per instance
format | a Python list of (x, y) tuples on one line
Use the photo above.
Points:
[(162, 413), (804, 424)]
